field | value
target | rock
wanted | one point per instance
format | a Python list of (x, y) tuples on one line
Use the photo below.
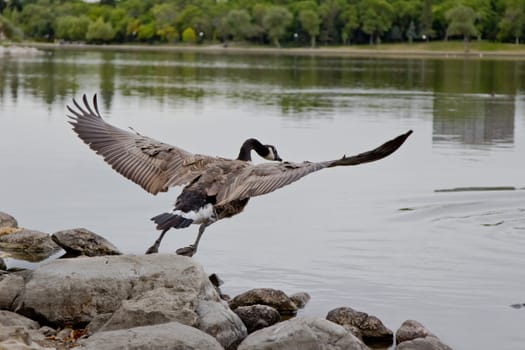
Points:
[(80, 241), (412, 335), (7, 220), (3, 266), (171, 335), (97, 322), (140, 290), (302, 334), (411, 329), (64, 334), (265, 296), (28, 241), (73, 291), (11, 319), (372, 329), (217, 282), (156, 306), (163, 305), (11, 286), (17, 338), (47, 331), (300, 299), (256, 317), (427, 343), (219, 321)]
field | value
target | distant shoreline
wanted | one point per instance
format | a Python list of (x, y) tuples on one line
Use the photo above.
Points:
[(351, 51)]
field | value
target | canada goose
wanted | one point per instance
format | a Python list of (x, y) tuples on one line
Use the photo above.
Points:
[(216, 188)]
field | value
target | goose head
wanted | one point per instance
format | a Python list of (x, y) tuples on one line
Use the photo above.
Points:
[(268, 152), (272, 153)]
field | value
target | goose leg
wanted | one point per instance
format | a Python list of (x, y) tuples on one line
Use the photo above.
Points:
[(192, 248), (155, 247)]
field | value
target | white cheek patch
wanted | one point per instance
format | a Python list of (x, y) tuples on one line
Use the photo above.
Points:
[(271, 155), (199, 216)]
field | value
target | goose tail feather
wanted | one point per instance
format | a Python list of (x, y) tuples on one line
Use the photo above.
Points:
[(166, 221)]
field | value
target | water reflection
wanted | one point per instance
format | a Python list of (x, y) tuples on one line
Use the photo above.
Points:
[(472, 100), (474, 119)]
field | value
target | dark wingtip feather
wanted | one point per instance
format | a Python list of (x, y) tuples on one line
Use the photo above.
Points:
[(380, 152)]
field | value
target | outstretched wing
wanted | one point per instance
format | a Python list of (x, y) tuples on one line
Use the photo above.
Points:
[(268, 177), (153, 165)]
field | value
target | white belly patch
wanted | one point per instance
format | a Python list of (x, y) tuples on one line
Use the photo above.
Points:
[(199, 216)]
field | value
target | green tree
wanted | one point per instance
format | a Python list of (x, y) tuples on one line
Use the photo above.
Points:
[(486, 21), (72, 28), (330, 11), (275, 21), (426, 20), (192, 16), (411, 32), (189, 36), (513, 21), (351, 22), (461, 22), (36, 20), (405, 11), (258, 12), (100, 31), (135, 8), (376, 18), (9, 30), (165, 16), (146, 32), (237, 23), (310, 23), (119, 21), (395, 33)]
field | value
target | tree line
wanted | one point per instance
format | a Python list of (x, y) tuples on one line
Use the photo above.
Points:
[(273, 22)]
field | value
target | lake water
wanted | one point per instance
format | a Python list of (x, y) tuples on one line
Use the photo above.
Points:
[(380, 237)]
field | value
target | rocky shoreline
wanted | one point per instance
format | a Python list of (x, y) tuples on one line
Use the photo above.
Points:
[(95, 297)]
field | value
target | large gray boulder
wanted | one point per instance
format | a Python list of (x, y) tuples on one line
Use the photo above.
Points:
[(412, 335), (73, 291), (171, 335), (80, 241), (303, 334), (7, 220), (372, 330), (265, 296)]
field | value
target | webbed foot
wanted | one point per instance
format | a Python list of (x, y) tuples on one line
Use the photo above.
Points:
[(152, 250)]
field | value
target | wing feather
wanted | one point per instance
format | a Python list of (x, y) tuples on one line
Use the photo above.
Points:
[(260, 179), (153, 165)]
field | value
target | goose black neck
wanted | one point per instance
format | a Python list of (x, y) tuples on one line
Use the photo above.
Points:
[(247, 147)]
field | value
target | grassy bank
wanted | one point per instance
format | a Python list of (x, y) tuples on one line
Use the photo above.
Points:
[(445, 49)]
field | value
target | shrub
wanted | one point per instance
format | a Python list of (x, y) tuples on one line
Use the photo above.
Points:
[(189, 36)]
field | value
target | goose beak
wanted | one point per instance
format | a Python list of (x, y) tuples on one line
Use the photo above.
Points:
[(278, 159)]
